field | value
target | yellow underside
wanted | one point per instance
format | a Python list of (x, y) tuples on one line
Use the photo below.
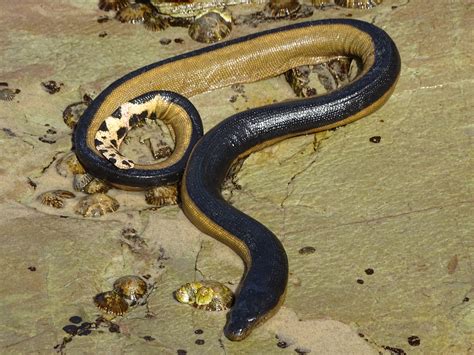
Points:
[(248, 61)]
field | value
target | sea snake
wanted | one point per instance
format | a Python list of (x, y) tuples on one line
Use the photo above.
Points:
[(159, 90)]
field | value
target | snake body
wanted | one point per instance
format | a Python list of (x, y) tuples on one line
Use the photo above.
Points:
[(250, 58)]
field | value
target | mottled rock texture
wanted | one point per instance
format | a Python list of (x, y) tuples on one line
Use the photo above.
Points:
[(390, 222)]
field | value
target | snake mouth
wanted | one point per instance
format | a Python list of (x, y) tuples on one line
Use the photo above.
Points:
[(238, 326)]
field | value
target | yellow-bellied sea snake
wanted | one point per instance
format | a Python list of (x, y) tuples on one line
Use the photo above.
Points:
[(159, 90)]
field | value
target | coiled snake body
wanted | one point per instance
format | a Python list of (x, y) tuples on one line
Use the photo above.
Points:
[(159, 90)]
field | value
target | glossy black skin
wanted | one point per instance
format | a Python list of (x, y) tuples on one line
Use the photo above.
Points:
[(265, 280)]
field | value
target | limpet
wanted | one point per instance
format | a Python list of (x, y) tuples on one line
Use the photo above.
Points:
[(80, 181), (51, 86), (96, 205), (208, 295), (321, 78), (55, 198), (73, 112), (358, 4), (281, 8), (131, 288), (115, 5), (159, 148), (8, 94), (111, 302), (299, 79), (162, 196), (89, 184), (69, 164), (133, 13), (211, 26), (96, 186), (154, 22)]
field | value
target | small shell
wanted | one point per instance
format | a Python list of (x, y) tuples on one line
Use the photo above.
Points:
[(73, 112), (96, 205), (162, 196), (80, 181), (299, 79), (208, 295), (93, 186), (131, 288), (55, 198), (115, 5), (111, 302), (134, 13), (336, 73), (8, 94), (158, 147), (68, 164), (154, 22), (187, 292), (281, 8), (211, 26), (358, 4)]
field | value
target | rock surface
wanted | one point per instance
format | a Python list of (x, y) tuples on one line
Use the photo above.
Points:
[(390, 223)]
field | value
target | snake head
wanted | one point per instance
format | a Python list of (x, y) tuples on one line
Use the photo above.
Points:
[(247, 313), (239, 325)]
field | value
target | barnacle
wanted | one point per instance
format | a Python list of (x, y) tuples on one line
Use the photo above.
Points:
[(208, 295), (96, 205), (135, 13), (89, 184), (55, 198), (187, 292), (211, 26), (162, 195), (299, 79), (111, 302), (96, 186), (69, 164), (321, 78), (155, 22), (80, 181), (7, 94), (73, 112), (358, 4), (131, 288), (115, 5), (281, 8)]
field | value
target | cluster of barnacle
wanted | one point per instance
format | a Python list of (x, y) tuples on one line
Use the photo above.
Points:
[(97, 202), (128, 291), (328, 76), (208, 295), (206, 26), (210, 22)]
